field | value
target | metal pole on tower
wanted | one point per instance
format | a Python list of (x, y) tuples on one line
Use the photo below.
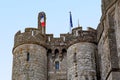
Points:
[(71, 24)]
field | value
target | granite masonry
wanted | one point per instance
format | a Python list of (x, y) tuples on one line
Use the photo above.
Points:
[(92, 54)]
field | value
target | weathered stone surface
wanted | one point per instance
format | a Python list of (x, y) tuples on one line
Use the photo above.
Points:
[(84, 66), (33, 69), (117, 28), (108, 42)]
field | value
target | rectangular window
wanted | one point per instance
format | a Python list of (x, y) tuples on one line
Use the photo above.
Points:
[(57, 65)]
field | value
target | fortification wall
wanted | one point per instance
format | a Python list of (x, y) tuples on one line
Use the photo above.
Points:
[(29, 62), (81, 61)]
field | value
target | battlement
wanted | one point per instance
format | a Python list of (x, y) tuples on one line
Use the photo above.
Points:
[(29, 36), (56, 41), (34, 36), (77, 35), (78, 29)]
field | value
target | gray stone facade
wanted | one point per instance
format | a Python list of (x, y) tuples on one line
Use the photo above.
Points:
[(33, 68), (81, 61), (81, 55)]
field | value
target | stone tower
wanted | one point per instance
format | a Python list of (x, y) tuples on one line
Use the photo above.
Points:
[(81, 63), (29, 55)]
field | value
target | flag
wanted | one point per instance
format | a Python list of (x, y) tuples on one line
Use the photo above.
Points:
[(42, 21), (71, 24)]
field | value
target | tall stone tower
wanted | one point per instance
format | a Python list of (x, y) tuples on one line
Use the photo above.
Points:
[(29, 55), (81, 63)]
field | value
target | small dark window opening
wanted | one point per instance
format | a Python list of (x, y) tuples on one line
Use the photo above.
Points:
[(49, 52), (86, 78), (74, 57), (57, 65), (28, 56), (64, 51), (56, 53)]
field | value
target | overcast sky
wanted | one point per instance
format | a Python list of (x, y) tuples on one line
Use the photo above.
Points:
[(18, 14)]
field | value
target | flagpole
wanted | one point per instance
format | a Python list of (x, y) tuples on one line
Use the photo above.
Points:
[(70, 29), (71, 24), (78, 23)]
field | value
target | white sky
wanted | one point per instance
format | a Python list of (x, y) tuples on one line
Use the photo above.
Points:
[(18, 14)]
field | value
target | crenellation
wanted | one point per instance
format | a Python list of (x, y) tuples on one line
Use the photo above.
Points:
[(69, 39), (18, 33), (83, 36), (31, 36)]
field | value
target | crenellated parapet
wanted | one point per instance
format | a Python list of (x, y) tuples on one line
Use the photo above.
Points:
[(56, 42), (30, 36), (79, 35)]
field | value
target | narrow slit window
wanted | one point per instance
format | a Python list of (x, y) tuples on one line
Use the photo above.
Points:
[(74, 57), (57, 65), (28, 56)]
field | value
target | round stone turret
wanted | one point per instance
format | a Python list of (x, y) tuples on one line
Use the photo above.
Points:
[(81, 54), (81, 61), (29, 56)]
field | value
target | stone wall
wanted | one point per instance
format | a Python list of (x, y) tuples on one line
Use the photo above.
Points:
[(81, 61), (108, 41), (117, 27), (53, 56), (106, 4), (104, 54), (29, 62), (56, 52)]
